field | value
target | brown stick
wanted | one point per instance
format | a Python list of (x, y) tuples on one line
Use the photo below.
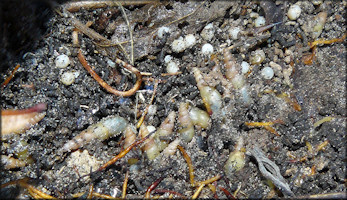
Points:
[(124, 152), (75, 6), (152, 187), (107, 86), (10, 77)]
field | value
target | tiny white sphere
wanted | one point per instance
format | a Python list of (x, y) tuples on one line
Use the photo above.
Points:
[(167, 58), (245, 67), (67, 78), (178, 45), (190, 40), (267, 72), (207, 49), (162, 31), (234, 32), (259, 21), (294, 12), (172, 67), (208, 32), (62, 61)]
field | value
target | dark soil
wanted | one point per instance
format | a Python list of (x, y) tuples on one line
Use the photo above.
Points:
[(318, 88)]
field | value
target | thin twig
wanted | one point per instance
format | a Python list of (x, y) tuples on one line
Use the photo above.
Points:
[(124, 152), (93, 34), (196, 194), (74, 6), (125, 184), (152, 187), (107, 86), (190, 165), (10, 77), (147, 107), (130, 33)]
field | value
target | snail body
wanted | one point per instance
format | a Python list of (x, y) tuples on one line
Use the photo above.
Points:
[(150, 146), (107, 127), (185, 123), (210, 96), (165, 129)]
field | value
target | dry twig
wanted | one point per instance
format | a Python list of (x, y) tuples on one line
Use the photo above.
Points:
[(107, 86)]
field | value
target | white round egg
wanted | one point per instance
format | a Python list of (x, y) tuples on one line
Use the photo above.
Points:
[(259, 21), (245, 67), (267, 72), (189, 40), (234, 32), (162, 31), (178, 45), (294, 12), (62, 61), (172, 67), (167, 58), (208, 32), (67, 78), (207, 49)]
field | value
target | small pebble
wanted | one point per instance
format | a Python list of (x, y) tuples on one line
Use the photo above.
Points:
[(260, 21), (62, 61), (67, 78), (207, 49), (294, 12), (267, 72)]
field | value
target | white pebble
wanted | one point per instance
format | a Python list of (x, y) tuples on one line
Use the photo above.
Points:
[(234, 32), (245, 67), (178, 45), (62, 61), (208, 32), (172, 67), (189, 40), (167, 58), (207, 49), (67, 78), (267, 72), (260, 21), (294, 12), (162, 31)]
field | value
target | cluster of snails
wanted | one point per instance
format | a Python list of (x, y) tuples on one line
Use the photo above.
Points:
[(188, 117)]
